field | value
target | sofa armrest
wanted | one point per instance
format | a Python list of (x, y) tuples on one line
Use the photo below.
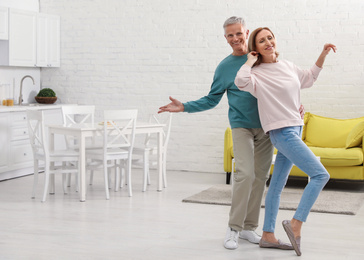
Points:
[(228, 144)]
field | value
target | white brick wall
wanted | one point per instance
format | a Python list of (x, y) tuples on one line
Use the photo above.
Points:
[(136, 53)]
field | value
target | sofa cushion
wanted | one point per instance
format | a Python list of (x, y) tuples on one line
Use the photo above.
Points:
[(339, 156), (328, 132), (305, 120), (355, 136)]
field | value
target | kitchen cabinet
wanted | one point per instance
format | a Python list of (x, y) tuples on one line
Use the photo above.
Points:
[(3, 141), (20, 150), (48, 40), (14, 140), (4, 23), (16, 158), (22, 38), (34, 40)]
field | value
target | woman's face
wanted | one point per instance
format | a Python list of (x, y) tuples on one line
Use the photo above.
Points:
[(265, 43)]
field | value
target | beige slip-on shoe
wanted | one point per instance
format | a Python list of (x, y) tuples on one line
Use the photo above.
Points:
[(296, 242), (280, 245)]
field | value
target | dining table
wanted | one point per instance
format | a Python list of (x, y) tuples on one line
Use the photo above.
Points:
[(83, 131)]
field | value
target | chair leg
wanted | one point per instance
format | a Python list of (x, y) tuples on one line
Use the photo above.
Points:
[(64, 178), (91, 174), (76, 181), (91, 177), (69, 176), (125, 171), (106, 176), (148, 175), (109, 177), (122, 173), (129, 176), (64, 182), (35, 183), (117, 175), (164, 170), (145, 169), (46, 181)]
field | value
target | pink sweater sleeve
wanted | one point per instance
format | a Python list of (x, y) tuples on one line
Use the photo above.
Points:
[(244, 80), (308, 77)]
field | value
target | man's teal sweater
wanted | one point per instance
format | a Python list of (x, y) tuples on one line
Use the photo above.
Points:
[(243, 108)]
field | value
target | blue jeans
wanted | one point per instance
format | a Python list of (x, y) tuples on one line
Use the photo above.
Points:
[(292, 150)]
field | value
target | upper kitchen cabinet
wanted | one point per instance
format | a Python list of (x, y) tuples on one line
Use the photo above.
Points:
[(21, 48), (4, 23), (48, 41), (22, 38), (34, 40)]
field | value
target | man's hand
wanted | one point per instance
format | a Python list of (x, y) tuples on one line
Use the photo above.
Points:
[(302, 111), (174, 106)]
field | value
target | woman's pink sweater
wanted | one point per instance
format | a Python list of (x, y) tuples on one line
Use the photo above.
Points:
[(277, 87)]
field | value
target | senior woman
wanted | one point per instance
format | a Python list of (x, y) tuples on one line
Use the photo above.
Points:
[(277, 85)]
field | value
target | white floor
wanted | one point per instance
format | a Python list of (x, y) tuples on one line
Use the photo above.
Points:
[(151, 225)]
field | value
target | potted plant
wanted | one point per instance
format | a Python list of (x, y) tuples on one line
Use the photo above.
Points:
[(46, 96)]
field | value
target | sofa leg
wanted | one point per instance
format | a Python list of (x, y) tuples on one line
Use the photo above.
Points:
[(228, 175)]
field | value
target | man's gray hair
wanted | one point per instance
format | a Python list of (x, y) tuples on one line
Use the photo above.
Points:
[(234, 20)]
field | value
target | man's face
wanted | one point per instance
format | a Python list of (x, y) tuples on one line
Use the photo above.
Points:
[(237, 37)]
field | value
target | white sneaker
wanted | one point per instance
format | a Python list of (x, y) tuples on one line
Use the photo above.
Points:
[(231, 239), (250, 235)]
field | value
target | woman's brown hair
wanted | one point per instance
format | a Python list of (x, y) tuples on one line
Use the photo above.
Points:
[(252, 44)]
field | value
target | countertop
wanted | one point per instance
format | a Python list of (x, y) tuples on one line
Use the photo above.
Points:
[(33, 106)]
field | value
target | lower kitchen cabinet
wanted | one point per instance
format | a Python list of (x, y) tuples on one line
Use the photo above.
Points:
[(16, 157), (3, 141)]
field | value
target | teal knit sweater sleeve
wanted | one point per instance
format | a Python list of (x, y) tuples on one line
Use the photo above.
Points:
[(211, 100)]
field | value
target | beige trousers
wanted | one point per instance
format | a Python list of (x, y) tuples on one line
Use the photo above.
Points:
[(253, 152)]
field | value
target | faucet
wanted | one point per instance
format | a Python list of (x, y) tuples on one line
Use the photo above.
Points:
[(21, 88)]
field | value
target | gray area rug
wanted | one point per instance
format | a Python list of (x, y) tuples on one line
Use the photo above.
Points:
[(329, 201)]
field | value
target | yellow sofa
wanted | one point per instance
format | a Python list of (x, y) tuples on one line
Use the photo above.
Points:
[(338, 143)]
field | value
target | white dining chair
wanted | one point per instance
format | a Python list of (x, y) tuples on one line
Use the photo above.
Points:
[(118, 140), (76, 115), (146, 155), (41, 152)]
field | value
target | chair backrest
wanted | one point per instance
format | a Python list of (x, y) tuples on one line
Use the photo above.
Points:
[(119, 129), (36, 129), (165, 119), (78, 114), (74, 115)]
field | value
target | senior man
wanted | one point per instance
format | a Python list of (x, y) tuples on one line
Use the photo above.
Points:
[(252, 148)]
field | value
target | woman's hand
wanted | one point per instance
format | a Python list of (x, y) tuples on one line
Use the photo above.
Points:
[(327, 48), (252, 58)]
